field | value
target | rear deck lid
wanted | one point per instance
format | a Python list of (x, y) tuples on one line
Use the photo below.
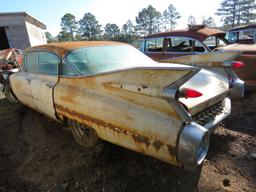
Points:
[(213, 86)]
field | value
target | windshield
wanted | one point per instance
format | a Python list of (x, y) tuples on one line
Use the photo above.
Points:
[(92, 60)]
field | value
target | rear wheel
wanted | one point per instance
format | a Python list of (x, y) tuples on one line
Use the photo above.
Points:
[(9, 94), (83, 135)]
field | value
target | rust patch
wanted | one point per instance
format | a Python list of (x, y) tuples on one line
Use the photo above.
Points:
[(172, 150), (158, 144), (138, 138), (142, 144), (141, 139)]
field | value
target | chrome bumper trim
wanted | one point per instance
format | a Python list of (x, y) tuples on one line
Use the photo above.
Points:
[(237, 89), (193, 146), (218, 118)]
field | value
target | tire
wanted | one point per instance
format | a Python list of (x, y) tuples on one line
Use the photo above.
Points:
[(83, 135), (9, 94)]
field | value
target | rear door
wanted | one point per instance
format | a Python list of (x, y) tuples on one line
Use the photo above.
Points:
[(21, 81), (43, 82)]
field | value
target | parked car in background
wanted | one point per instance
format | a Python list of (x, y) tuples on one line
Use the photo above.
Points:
[(201, 40), (10, 62), (10, 59), (112, 91), (247, 56), (245, 34)]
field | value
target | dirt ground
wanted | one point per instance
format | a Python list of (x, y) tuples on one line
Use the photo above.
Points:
[(37, 154)]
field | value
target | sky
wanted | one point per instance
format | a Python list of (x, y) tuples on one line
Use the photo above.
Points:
[(108, 11)]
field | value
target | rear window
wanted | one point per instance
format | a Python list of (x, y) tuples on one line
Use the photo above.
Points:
[(93, 60), (32, 62)]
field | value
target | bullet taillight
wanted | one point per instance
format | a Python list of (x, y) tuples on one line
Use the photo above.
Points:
[(189, 93), (237, 64)]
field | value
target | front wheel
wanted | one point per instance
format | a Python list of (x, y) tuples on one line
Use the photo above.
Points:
[(9, 94), (83, 135)]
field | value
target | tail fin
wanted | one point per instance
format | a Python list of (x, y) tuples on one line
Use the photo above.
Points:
[(212, 59)]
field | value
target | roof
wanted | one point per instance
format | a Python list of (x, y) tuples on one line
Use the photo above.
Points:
[(63, 48), (253, 26), (27, 17), (200, 34)]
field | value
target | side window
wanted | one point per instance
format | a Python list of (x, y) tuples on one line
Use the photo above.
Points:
[(198, 47), (246, 34), (48, 63), (213, 42), (220, 42), (179, 44), (154, 45), (66, 70), (233, 36), (210, 42), (31, 62)]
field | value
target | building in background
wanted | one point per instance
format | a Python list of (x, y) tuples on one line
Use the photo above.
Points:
[(20, 30)]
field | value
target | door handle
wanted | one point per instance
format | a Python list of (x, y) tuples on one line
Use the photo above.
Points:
[(49, 85)]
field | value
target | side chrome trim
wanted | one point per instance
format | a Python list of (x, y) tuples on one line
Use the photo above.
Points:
[(193, 146)]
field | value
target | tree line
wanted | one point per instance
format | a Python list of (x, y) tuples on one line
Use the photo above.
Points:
[(149, 21)]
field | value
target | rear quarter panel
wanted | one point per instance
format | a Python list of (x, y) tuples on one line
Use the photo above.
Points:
[(132, 118)]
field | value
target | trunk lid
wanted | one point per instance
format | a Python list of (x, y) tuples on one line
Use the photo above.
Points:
[(213, 86)]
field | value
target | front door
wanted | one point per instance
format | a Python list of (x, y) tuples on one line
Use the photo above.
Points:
[(21, 86)]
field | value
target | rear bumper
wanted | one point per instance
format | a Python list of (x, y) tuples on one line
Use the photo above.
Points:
[(193, 146), (216, 115), (237, 88), (194, 137)]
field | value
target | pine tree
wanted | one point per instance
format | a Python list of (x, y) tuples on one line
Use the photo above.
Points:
[(209, 22), (111, 31), (148, 21), (90, 27), (191, 20), (170, 16), (68, 28), (128, 28), (237, 12)]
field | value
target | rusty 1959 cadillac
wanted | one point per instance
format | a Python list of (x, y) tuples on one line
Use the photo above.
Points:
[(111, 91)]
